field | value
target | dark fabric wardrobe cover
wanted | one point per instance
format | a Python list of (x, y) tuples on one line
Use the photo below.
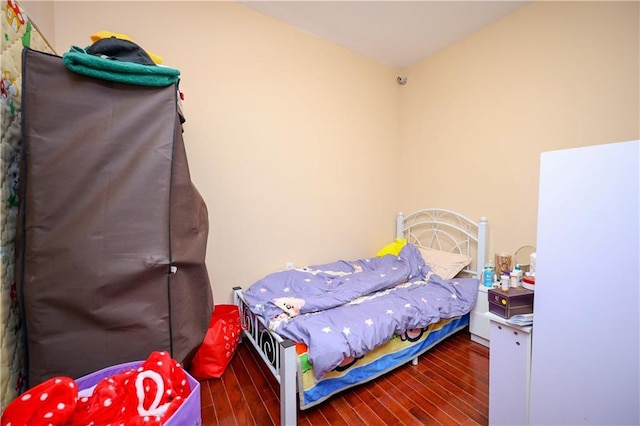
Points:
[(107, 212)]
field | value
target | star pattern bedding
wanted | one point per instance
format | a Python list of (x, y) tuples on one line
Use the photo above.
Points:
[(354, 371), (346, 309), (289, 293)]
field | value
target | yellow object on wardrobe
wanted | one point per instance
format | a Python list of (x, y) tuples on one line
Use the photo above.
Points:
[(106, 34)]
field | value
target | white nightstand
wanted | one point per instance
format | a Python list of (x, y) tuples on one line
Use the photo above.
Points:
[(509, 372), (478, 322)]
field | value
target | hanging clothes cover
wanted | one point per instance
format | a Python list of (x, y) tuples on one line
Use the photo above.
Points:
[(112, 233)]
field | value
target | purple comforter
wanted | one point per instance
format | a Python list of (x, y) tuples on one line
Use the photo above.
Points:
[(346, 309)]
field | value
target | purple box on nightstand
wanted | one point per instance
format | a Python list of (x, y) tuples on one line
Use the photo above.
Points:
[(516, 301)]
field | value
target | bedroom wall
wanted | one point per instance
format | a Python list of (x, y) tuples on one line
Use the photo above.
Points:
[(292, 140), (477, 114), (42, 15)]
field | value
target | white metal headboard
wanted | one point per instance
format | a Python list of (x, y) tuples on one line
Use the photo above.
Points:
[(448, 231)]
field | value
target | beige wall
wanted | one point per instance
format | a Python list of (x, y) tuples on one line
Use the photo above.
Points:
[(476, 116), (292, 140), (41, 14), (297, 145)]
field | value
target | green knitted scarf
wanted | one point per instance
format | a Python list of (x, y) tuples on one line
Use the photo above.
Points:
[(81, 62)]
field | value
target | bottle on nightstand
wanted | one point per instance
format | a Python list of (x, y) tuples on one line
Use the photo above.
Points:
[(504, 283), (488, 274)]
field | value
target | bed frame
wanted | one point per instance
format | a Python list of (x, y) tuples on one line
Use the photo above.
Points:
[(436, 228)]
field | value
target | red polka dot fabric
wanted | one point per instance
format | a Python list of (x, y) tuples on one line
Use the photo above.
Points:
[(148, 395)]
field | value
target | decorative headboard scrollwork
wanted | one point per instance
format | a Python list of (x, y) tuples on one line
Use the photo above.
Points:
[(448, 231)]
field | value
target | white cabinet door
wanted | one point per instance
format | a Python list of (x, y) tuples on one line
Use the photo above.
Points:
[(509, 372), (585, 362)]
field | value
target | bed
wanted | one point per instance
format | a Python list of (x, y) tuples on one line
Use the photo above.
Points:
[(418, 290)]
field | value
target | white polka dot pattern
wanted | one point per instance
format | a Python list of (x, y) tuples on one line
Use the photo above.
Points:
[(157, 390), (220, 343)]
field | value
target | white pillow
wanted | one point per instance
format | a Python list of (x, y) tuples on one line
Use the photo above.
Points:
[(443, 263)]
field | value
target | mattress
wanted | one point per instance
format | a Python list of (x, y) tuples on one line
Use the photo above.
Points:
[(17, 31), (398, 351)]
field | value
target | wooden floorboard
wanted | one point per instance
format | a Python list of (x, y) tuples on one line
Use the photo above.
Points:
[(449, 386)]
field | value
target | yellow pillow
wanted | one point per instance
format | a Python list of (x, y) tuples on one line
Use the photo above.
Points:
[(443, 263), (393, 248)]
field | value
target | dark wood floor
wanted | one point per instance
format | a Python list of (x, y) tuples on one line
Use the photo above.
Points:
[(449, 386)]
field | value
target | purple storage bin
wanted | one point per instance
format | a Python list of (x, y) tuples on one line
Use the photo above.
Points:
[(189, 412)]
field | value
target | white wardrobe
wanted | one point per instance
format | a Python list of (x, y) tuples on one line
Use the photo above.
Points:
[(585, 365)]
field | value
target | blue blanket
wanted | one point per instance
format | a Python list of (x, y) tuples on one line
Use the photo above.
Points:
[(347, 308)]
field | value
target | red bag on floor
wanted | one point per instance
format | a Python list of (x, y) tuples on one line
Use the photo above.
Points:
[(219, 344)]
